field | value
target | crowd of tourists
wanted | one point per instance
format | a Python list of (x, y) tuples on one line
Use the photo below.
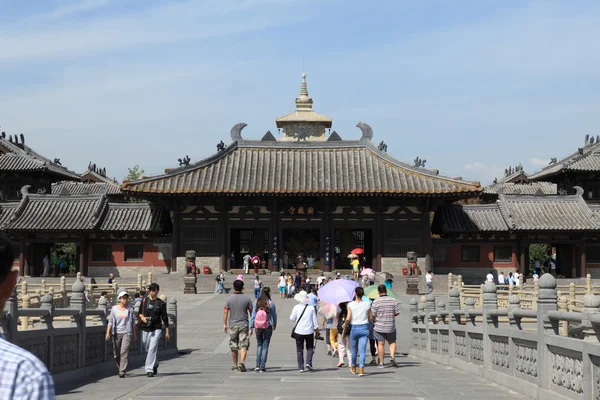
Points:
[(347, 326)]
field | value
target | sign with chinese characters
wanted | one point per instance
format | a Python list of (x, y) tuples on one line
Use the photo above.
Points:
[(300, 210), (274, 257), (327, 261)]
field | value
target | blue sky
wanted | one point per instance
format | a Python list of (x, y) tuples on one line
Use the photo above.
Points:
[(470, 86)]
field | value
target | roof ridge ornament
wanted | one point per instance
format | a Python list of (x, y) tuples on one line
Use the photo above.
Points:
[(367, 131), (303, 101), (578, 191), (236, 132)]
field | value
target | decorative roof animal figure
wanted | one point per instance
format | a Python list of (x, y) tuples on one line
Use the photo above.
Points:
[(221, 146), (553, 161), (57, 161), (184, 161), (382, 147), (419, 162)]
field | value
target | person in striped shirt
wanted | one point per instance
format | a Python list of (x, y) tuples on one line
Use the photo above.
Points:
[(385, 309), (22, 375)]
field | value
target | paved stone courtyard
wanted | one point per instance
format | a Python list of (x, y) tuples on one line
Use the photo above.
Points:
[(203, 370)]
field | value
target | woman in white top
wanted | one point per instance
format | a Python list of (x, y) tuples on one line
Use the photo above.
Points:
[(359, 314), (305, 316), (281, 283)]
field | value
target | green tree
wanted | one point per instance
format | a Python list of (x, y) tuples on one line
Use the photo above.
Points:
[(539, 251), (135, 173)]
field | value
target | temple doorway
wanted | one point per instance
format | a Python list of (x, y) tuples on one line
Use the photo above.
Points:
[(248, 241), (345, 240), (302, 244)]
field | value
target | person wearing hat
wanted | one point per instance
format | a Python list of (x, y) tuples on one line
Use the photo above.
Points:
[(120, 327), (305, 316)]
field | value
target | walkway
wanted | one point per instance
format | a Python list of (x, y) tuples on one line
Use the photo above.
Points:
[(203, 370)]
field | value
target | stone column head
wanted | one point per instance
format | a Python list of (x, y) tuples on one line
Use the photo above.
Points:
[(547, 296), (413, 306), (490, 295), (454, 299)]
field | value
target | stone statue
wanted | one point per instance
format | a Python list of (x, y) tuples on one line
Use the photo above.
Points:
[(184, 161), (382, 147), (221, 146), (190, 261)]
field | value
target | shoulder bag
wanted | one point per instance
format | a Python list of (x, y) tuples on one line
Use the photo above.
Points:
[(294, 329)]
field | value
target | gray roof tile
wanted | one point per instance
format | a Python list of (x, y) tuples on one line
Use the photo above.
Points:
[(84, 188), (546, 188), (135, 217), (301, 168), (473, 218)]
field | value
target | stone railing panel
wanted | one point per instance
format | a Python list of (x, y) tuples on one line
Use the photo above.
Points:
[(522, 346)]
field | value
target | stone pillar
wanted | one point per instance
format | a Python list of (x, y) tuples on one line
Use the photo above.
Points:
[(172, 310), (83, 257), (175, 241), (149, 277), (563, 305), (571, 296), (490, 302), (139, 282), (591, 306), (25, 305), (102, 305), (429, 305), (427, 242), (22, 260), (422, 302), (450, 281), (583, 263), (547, 301), (588, 284), (453, 305), (413, 307), (47, 303), (78, 303), (514, 303)]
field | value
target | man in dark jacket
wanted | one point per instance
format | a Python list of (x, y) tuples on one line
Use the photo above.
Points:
[(153, 313)]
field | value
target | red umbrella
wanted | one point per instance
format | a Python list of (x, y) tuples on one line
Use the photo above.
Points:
[(357, 250)]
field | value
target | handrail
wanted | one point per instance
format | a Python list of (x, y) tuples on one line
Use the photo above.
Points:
[(565, 316), (522, 313)]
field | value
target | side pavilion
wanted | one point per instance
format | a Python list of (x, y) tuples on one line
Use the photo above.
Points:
[(307, 192)]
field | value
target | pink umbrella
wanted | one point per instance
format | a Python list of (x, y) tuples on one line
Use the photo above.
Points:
[(367, 271), (240, 277), (328, 310)]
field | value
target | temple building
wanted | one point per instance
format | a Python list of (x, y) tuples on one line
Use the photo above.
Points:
[(304, 192)]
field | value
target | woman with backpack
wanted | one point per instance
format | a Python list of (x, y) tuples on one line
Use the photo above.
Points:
[(264, 321)]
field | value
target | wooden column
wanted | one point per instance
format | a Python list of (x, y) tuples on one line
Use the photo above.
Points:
[(23, 270), (520, 254), (83, 257), (274, 232), (427, 242), (378, 234), (583, 261), (176, 240), (326, 233)]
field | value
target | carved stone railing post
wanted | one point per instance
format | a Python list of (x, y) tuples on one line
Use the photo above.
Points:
[(422, 302), (510, 290), (47, 303), (63, 291), (453, 305), (43, 287), (571, 296), (547, 301), (536, 290), (139, 282), (481, 295), (591, 306), (459, 286), (490, 302), (588, 284), (440, 307), (78, 303), (25, 304), (563, 305), (78, 277), (514, 303), (429, 306), (450, 281), (413, 306), (173, 321), (149, 277), (102, 305), (23, 290)]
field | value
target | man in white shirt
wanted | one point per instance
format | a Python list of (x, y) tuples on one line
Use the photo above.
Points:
[(516, 277), (429, 281), (490, 276), (501, 278)]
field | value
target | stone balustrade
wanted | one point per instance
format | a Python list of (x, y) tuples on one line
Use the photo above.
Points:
[(71, 340), (545, 362)]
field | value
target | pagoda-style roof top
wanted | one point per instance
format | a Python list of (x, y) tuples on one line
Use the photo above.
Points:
[(519, 213), (585, 159), (302, 168), (304, 112), (16, 156), (91, 213)]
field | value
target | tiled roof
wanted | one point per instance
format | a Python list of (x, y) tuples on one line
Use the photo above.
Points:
[(81, 213), (304, 116), (7, 210), (546, 188), (94, 176), (586, 159), (518, 175), (20, 157), (473, 218), (346, 167), (135, 217), (40, 213), (548, 213), (81, 188), (520, 213)]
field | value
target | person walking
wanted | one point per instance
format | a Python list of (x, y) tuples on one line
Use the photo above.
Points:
[(246, 259), (490, 276), (343, 343), (281, 284), (355, 263), (429, 282), (501, 278), (385, 309), (238, 308), (358, 316), (23, 375), (120, 328), (256, 263), (257, 287), (305, 316), (290, 284), (221, 282), (264, 322), (152, 314)]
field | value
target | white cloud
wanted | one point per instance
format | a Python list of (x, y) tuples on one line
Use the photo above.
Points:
[(538, 162), (482, 172)]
